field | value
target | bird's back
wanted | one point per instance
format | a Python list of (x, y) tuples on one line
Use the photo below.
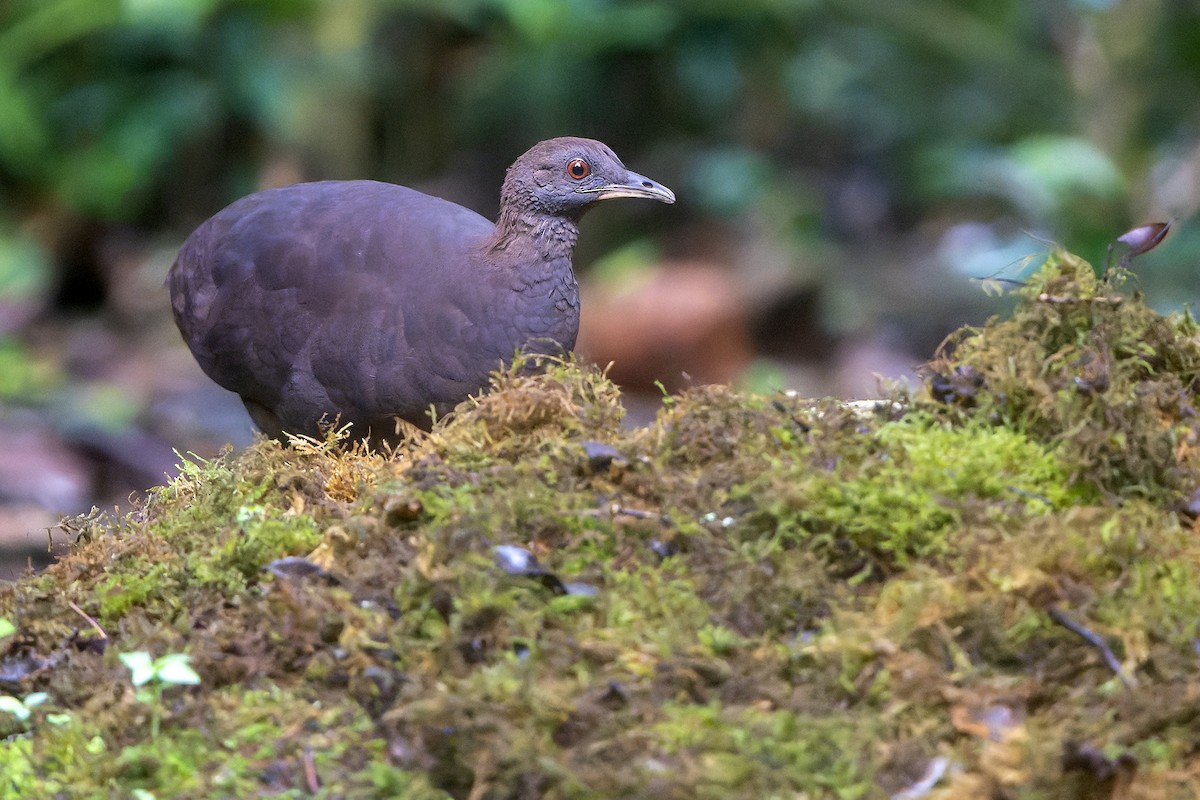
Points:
[(305, 298)]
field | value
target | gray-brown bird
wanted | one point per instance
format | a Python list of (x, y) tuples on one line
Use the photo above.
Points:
[(371, 302)]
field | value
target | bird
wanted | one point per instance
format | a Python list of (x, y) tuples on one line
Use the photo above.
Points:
[(363, 303)]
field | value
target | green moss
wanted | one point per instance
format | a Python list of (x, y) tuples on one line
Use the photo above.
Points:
[(242, 744), (724, 752), (912, 487), (239, 554), (138, 581), (776, 597), (1088, 369)]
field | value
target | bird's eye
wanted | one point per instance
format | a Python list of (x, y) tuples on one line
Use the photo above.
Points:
[(578, 169)]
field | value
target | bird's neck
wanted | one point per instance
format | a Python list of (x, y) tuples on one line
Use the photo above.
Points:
[(523, 236), (530, 254)]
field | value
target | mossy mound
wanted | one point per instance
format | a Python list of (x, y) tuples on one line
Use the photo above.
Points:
[(1092, 370), (992, 591)]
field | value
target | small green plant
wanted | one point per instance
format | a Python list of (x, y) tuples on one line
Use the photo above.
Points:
[(6, 627), (22, 709), (718, 639), (173, 669)]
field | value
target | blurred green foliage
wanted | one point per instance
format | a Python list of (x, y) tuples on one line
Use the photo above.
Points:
[(1049, 114), (24, 376)]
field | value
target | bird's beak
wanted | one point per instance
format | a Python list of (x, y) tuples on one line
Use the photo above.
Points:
[(634, 185)]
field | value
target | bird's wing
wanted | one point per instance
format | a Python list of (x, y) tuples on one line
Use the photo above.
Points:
[(291, 292)]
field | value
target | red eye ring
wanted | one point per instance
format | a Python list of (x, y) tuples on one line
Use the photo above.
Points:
[(578, 169)]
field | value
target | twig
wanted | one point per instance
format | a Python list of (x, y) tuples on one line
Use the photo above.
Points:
[(618, 509), (1112, 300), (310, 773), (91, 621), (1095, 640)]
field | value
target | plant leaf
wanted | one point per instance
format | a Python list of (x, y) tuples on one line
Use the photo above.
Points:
[(14, 706), (140, 664), (35, 699), (174, 668)]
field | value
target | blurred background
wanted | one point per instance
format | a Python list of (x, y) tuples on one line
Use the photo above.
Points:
[(852, 176)]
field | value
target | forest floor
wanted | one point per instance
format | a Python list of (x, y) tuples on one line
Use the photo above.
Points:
[(988, 587)]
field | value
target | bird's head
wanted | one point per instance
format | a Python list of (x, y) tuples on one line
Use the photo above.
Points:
[(565, 176)]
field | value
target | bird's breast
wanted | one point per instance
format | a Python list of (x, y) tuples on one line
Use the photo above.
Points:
[(547, 300)]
